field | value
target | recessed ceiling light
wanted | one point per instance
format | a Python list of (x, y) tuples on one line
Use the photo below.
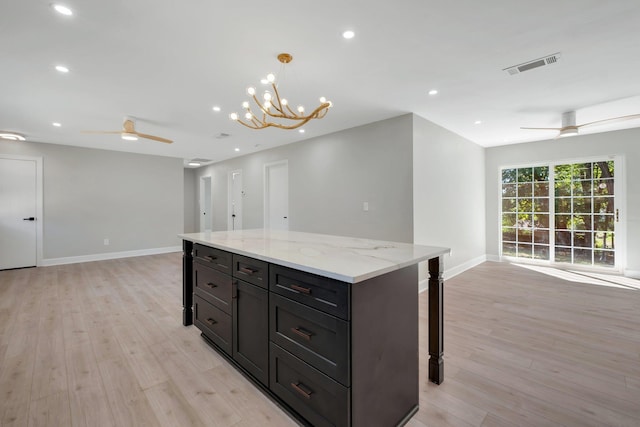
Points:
[(348, 34), (478, 122), (301, 131), (237, 149), (216, 109), (194, 164), (11, 136), (63, 10), (433, 92), (56, 124), (62, 68)]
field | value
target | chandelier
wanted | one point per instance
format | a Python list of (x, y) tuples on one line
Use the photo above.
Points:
[(274, 107)]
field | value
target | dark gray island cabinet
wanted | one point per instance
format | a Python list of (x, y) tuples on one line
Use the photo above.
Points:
[(327, 326)]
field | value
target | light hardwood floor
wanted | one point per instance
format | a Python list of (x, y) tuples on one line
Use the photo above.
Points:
[(102, 344)]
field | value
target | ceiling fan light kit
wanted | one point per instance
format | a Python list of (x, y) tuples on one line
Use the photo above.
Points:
[(11, 136), (275, 107)]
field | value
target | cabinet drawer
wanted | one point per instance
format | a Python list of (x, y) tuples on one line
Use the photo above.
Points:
[(319, 399), (317, 338), (213, 322), (213, 285), (212, 257), (328, 295), (251, 270)]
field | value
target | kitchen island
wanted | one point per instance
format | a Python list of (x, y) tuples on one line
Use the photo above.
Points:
[(326, 325)]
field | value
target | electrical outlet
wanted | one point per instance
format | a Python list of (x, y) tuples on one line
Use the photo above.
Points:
[(106, 241)]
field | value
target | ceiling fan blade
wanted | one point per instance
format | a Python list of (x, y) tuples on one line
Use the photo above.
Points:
[(612, 119), (542, 128), (101, 131), (155, 138)]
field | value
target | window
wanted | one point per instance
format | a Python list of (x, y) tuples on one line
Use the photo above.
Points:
[(563, 213)]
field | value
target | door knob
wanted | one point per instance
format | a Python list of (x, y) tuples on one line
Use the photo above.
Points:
[(31, 218)]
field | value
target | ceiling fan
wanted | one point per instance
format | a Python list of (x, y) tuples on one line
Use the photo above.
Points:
[(129, 133), (569, 127)]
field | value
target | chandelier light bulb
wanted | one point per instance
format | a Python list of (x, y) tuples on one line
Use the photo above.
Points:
[(248, 116), (233, 116), (264, 81), (267, 105), (300, 109), (251, 91), (271, 78), (267, 96), (245, 104), (284, 101), (323, 99), (330, 104)]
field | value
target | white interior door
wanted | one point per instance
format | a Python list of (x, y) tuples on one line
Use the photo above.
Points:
[(18, 207), (206, 218), (276, 214), (234, 217)]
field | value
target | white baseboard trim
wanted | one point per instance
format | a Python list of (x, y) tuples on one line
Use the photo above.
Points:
[(109, 255), (454, 271), (493, 258), (634, 274), (423, 285)]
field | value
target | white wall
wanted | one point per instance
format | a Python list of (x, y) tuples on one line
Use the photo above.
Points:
[(329, 179), (448, 195), (134, 200), (623, 142)]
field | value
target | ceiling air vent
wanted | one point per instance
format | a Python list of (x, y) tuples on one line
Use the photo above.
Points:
[(530, 65), (222, 135), (201, 160)]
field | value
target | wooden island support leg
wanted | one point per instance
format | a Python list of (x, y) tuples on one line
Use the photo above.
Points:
[(436, 320), (187, 283)]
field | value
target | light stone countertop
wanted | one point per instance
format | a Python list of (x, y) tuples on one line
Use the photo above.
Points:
[(347, 259)]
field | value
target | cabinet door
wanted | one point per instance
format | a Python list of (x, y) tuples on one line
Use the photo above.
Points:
[(251, 329)]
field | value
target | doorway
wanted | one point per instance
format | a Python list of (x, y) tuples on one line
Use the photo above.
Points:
[(20, 211), (235, 192), (206, 218), (564, 213), (276, 195)]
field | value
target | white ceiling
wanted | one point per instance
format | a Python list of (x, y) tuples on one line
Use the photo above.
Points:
[(167, 63)]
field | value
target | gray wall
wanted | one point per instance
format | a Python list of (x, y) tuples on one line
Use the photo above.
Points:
[(623, 142), (134, 200), (190, 201), (448, 195), (329, 179)]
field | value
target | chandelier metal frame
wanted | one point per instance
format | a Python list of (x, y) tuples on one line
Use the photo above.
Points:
[(276, 107)]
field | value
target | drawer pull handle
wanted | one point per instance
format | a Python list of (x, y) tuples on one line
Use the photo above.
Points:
[(301, 289), (302, 332), (300, 388), (248, 270), (212, 285), (211, 257), (211, 321)]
